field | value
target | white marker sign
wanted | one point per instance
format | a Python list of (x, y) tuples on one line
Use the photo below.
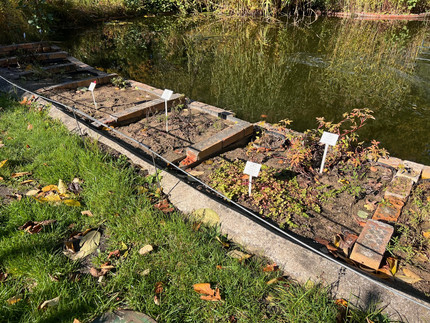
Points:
[(329, 139), (251, 169), (167, 94), (91, 88)]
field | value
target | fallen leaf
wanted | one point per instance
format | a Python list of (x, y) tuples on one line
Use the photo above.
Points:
[(115, 253), (373, 169), (274, 280), (426, 234), (35, 227), (272, 267), (87, 212), (75, 187), (50, 188), (88, 244), (241, 256), (164, 206), (156, 300), (26, 181), (95, 272), (393, 264), (196, 226), (146, 249), (49, 303), (76, 321), (370, 205), (72, 203), (3, 276), (53, 198), (30, 126), (219, 267), (341, 302), (407, 279), (14, 175), (205, 288), (3, 162), (62, 188), (224, 244), (14, 300), (158, 289)]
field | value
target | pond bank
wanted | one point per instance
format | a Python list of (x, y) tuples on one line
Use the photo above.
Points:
[(186, 201)]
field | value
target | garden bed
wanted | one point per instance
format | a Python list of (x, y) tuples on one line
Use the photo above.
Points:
[(109, 99), (186, 127), (333, 207)]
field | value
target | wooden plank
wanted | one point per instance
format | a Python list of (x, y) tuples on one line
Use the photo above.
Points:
[(38, 57), (101, 79), (139, 111), (26, 46)]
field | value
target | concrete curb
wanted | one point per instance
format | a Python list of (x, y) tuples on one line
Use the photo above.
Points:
[(297, 262)]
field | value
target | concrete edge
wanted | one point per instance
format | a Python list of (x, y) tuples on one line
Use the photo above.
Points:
[(297, 262)]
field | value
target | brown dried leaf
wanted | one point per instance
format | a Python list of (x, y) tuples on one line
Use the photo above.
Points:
[(30, 126), (87, 212), (115, 253), (95, 272), (3, 276), (158, 289)]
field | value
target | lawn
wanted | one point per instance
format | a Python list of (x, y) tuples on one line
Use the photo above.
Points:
[(96, 195)]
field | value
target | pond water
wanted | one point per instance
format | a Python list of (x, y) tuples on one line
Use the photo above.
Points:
[(280, 69)]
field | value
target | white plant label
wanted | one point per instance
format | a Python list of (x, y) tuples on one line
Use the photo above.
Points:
[(167, 94), (329, 139), (92, 86), (251, 169)]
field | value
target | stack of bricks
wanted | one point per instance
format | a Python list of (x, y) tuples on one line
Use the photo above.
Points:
[(370, 246)]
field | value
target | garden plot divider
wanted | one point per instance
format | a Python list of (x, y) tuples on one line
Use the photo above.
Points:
[(234, 131)]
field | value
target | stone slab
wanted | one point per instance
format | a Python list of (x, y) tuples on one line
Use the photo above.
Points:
[(296, 261), (388, 211), (390, 162), (410, 170), (400, 188), (426, 172), (370, 246)]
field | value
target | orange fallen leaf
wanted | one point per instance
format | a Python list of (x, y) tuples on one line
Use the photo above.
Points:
[(341, 302), (30, 126), (203, 288), (219, 267), (115, 253), (426, 234), (213, 298), (272, 267), (20, 174), (14, 300)]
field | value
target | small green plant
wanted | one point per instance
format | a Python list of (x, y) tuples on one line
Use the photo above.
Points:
[(120, 82)]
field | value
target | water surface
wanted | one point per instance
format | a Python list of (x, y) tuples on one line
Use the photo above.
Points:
[(281, 70)]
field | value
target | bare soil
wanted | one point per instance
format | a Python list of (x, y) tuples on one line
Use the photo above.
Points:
[(186, 127), (109, 99)]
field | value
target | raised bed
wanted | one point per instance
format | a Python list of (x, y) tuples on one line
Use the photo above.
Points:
[(336, 207)]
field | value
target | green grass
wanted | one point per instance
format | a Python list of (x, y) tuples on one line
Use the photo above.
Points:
[(112, 191)]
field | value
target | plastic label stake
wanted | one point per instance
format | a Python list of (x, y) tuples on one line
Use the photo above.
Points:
[(91, 88), (329, 139), (167, 94), (251, 169)]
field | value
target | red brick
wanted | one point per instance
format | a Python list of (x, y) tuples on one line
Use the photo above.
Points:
[(389, 211), (370, 246)]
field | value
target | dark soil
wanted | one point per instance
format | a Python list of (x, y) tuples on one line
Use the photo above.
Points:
[(186, 127)]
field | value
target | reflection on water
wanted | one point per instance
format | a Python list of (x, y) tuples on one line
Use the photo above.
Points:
[(284, 71)]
